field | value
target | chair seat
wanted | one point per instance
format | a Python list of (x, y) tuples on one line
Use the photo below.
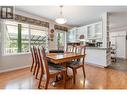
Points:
[(74, 64), (55, 68)]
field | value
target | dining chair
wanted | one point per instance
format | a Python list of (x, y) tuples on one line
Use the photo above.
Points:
[(70, 48), (37, 64), (41, 67), (79, 63), (49, 70)]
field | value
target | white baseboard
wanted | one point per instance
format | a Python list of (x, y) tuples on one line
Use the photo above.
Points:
[(95, 65), (12, 69)]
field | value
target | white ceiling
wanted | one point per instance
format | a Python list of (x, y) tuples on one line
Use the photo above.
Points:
[(76, 15)]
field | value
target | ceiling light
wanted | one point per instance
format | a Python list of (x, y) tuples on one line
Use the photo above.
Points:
[(61, 19)]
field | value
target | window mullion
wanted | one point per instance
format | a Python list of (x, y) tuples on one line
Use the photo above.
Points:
[(29, 36)]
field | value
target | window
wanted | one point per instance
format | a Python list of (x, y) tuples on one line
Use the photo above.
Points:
[(18, 37)]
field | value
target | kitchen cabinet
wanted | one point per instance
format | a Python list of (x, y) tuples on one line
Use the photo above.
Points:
[(90, 32), (94, 31), (72, 35), (81, 31), (98, 30)]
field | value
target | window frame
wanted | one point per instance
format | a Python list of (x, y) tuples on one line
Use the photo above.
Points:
[(29, 40)]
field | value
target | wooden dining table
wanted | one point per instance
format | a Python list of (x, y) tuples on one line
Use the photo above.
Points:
[(58, 58)]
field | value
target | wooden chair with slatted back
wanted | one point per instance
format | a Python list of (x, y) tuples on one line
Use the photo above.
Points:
[(41, 67), (37, 64), (79, 63), (70, 48), (50, 71)]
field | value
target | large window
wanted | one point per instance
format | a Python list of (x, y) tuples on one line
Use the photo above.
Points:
[(18, 37)]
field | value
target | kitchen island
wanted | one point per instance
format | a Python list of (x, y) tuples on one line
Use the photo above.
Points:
[(97, 56)]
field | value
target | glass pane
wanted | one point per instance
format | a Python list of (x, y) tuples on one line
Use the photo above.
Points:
[(25, 40), (60, 39), (39, 37), (11, 38)]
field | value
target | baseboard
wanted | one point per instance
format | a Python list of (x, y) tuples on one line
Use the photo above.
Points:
[(95, 65), (120, 58), (12, 69)]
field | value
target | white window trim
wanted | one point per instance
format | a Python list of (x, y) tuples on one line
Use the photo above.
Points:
[(21, 53)]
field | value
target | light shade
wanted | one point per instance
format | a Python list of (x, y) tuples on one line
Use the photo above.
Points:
[(61, 20), (81, 37)]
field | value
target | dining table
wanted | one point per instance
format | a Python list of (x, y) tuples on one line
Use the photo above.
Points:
[(58, 58)]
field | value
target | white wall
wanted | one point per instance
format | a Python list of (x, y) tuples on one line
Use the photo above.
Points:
[(12, 62)]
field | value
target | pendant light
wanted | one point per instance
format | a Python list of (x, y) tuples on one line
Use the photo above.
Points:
[(61, 19)]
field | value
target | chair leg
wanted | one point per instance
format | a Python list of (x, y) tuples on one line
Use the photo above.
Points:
[(65, 77), (37, 71), (74, 75), (47, 82), (40, 80), (32, 67), (84, 71)]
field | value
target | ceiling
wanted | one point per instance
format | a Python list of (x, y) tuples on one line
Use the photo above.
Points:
[(76, 15)]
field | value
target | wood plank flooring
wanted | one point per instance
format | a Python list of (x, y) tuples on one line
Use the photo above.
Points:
[(96, 78)]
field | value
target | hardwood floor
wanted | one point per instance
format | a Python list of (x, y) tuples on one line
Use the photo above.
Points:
[(96, 78)]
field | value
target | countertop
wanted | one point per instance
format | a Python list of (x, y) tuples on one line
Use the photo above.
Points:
[(102, 48)]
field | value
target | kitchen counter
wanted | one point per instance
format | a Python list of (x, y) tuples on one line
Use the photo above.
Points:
[(97, 56), (103, 48)]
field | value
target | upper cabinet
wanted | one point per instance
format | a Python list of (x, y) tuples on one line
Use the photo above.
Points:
[(94, 31), (72, 35), (91, 31), (98, 30)]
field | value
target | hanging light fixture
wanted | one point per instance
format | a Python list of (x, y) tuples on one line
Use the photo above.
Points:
[(61, 19)]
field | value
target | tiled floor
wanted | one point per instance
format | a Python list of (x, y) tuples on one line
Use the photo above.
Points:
[(96, 78)]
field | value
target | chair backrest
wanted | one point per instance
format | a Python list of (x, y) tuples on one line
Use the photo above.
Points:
[(36, 55), (45, 62), (40, 58), (32, 53), (70, 48), (81, 49)]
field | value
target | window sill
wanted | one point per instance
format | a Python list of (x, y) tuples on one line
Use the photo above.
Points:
[(17, 54)]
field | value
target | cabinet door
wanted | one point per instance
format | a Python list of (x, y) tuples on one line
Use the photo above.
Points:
[(90, 32), (98, 30), (72, 35)]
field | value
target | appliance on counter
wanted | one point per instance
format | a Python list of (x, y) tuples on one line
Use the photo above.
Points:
[(99, 44), (94, 44), (90, 44)]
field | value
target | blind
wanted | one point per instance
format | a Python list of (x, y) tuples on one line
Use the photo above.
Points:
[(61, 27), (29, 20)]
